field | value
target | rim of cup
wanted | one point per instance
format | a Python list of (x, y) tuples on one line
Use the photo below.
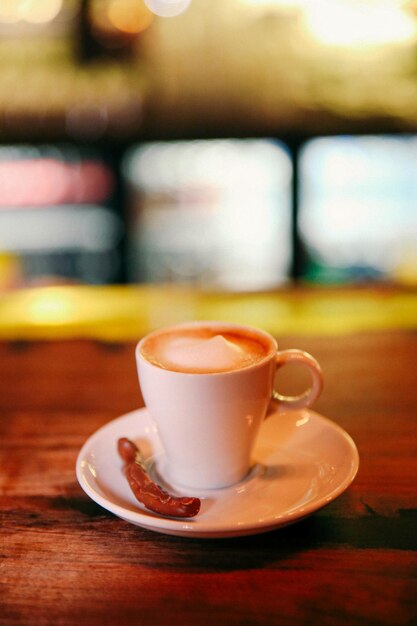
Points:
[(251, 330)]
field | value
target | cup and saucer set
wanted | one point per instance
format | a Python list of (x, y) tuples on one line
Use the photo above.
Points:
[(204, 435)]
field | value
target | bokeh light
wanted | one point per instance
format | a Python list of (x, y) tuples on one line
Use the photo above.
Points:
[(359, 24), (32, 11), (168, 8), (129, 16)]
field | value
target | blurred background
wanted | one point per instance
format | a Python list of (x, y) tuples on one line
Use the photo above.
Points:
[(235, 144)]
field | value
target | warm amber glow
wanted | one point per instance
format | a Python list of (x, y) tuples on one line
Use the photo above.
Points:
[(126, 313), (351, 23), (9, 11), (129, 16), (41, 11), (360, 24), (279, 3), (52, 306)]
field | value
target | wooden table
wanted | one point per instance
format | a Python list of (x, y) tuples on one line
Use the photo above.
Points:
[(65, 560)]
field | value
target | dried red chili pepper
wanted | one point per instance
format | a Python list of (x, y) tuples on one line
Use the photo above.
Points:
[(151, 495)]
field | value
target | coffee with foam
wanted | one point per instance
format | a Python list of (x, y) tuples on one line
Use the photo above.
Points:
[(202, 349)]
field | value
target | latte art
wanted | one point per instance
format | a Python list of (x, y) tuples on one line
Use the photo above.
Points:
[(216, 353), (204, 350)]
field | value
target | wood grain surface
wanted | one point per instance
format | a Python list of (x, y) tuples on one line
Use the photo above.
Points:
[(64, 560)]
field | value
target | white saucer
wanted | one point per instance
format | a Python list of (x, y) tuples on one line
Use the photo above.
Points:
[(302, 461)]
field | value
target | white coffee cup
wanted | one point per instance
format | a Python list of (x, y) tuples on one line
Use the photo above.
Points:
[(208, 421)]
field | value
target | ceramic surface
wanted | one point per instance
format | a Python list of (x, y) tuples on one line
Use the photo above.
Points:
[(210, 421), (301, 462)]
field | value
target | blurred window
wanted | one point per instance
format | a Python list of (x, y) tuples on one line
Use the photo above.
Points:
[(55, 216), (358, 208), (214, 212)]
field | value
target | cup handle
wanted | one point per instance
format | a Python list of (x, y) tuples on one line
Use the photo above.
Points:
[(308, 397)]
